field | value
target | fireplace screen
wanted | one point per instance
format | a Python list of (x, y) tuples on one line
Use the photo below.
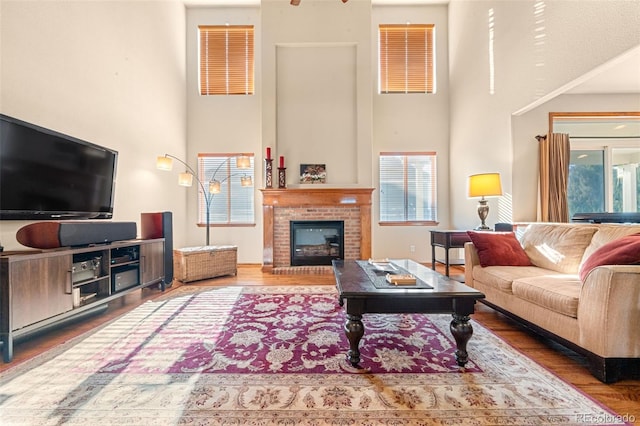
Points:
[(316, 242)]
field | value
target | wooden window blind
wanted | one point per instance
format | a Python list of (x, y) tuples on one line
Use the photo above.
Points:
[(226, 60), (408, 188), (234, 205), (406, 58)]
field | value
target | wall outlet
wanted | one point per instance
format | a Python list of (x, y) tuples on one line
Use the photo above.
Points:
[(412, 249)]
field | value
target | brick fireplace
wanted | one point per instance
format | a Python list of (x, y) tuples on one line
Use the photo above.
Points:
[(281, 206)]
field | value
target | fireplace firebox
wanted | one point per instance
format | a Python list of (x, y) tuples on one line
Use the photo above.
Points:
[(316, 242)]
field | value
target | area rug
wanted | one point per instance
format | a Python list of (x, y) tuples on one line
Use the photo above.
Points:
[(276, 356)]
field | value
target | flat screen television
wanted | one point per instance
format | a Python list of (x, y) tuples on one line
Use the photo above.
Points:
[(48, 175)]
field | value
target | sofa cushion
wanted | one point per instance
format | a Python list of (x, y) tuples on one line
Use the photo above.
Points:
[(502, 277), (559, 293), (498, 249), (557, 246), (623, 251)]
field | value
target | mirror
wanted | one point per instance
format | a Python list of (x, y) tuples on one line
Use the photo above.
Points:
[(604, 170)]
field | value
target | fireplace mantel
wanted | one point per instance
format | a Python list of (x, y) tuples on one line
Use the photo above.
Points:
[(306, 198)]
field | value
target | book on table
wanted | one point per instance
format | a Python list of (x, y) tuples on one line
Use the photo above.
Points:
[(401, 279)]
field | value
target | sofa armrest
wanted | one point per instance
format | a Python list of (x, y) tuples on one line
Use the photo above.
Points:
[(609, 311), (471, 260)]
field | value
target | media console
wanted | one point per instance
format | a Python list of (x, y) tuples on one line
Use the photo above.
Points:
[(40, 289)]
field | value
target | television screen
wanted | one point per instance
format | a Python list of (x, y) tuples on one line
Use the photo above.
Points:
[(48, 175)]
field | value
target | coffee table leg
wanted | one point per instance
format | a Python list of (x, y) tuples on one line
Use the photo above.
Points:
[(461, 329), (354, 330)]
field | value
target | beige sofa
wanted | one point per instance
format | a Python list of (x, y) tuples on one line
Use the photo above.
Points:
[(599, 318)]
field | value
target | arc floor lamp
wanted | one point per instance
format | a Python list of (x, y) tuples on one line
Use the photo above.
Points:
[(213, 186)]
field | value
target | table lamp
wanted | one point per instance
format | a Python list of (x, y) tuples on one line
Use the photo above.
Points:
[(484, 185)]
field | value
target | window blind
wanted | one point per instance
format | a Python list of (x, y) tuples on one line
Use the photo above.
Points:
[(226, 60), (406, 58), (408, 187), (234, 205)]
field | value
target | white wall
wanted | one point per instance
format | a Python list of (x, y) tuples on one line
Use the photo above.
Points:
[(317, 109), (250, 123), (413, 122), (111, 73), (531, 59), (341, 31), (348, 33), (220, 124)]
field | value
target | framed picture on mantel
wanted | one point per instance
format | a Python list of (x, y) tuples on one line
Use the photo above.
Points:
[(313, 173)]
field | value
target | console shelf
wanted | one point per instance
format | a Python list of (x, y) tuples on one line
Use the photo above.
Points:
[(42, 289)]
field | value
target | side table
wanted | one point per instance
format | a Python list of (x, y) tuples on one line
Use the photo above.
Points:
[(447, 239)]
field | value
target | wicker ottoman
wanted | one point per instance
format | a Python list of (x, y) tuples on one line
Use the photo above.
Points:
[(199, 263)]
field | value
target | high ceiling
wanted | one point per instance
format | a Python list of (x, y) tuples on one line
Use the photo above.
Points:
[(620, 75), (257, 2)]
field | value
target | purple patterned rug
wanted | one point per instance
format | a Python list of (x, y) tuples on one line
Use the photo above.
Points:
[(249, 356), (280, 333)]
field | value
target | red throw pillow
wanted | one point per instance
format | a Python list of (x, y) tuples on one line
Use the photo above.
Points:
[(499, 249), (623, 251)]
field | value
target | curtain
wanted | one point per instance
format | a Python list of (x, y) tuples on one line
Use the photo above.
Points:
[(555, 151)]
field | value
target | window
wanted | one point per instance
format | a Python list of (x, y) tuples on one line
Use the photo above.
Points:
[(234, 205), (408, 188), (406, 58), (604, 179), (586, 182), (226, 60)]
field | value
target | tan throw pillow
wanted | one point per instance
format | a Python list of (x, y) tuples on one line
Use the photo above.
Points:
[(557, 246)]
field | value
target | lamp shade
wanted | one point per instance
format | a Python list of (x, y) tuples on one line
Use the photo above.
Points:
[(485, 185), (243, 162), (164, 163), (185, 179), (214, 187)]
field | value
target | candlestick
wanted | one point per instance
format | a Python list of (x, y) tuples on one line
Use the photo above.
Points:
[(268, 153), (281, 162), (282, 177), (269, 173)]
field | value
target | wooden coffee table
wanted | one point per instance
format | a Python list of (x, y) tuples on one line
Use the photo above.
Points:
[(362, 292)]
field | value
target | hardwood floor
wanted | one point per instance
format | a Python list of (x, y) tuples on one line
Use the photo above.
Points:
[(622, 397)]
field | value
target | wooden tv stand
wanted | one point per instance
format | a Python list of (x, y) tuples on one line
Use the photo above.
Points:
[(40, 289)]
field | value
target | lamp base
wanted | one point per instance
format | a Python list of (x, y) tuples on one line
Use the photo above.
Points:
[(483, 212)]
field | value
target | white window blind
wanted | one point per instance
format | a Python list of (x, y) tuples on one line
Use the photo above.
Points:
[(406, 58), (226, 60), (408, 187), (234, 205)]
